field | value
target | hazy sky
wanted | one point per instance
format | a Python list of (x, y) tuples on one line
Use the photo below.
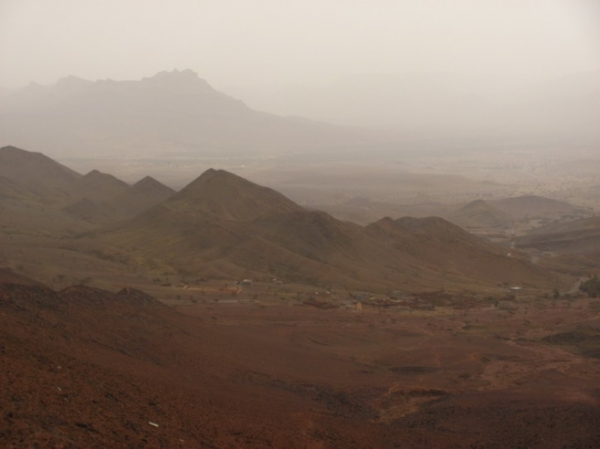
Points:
[(278, 43)]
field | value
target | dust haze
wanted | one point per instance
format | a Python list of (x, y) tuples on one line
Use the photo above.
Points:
[(319, 224), (408, 86)]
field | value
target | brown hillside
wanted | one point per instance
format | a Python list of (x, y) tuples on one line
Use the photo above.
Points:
[(36, 173), (150, 186), (143, 195), (10, 190), (7, 276), (530, 206), (98, 187), (480, 214), (223, 225), (39, 196), (453, 253), (574, 237), (87, 210), (105, 199), (223, 195), (92, 196)]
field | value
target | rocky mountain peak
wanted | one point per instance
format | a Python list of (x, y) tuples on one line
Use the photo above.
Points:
[(229, 196)]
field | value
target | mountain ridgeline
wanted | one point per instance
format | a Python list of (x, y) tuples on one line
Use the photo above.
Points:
[(172, 113), (28, 179), (224, 226)]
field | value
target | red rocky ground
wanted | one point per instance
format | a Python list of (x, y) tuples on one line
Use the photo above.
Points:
[(87, 368)]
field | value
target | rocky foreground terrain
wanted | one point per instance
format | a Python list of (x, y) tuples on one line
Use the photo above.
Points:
[(87, 368)]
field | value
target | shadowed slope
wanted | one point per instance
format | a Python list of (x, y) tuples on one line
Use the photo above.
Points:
[(143, 195), (574, 237), (36, 173), (454, 253), (98, 187), (89, 211), (535, 206), (104, 199), (39, 195), (10, 190), (480, 214)]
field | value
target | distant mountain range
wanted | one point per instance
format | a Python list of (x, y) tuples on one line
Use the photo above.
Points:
[(437, 107), (172, 114), (177, 115)]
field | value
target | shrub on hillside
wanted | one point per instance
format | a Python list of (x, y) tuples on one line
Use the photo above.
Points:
[(591, 287)]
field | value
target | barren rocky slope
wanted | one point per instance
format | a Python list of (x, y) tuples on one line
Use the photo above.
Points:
[(574, 237), (35, 189), (222, 225)]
